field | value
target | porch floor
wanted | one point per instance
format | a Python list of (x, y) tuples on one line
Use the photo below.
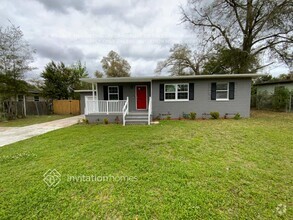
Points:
[(120, 113)]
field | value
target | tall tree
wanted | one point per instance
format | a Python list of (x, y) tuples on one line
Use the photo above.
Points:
[(115, 66), (182, 61), (60, 80), (79, 71), (254, 26), (16, 56)]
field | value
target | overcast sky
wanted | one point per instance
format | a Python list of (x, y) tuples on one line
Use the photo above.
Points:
[(142, 31)]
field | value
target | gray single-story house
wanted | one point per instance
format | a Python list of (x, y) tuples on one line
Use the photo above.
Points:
[(143, 99)]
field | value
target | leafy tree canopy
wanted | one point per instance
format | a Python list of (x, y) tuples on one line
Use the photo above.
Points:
[(114, 66), (60, 80), (230, 61), (99, 74)]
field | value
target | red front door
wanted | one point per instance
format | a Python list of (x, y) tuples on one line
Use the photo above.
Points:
[(141, 97)]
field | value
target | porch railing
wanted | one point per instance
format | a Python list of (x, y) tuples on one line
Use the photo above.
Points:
[(150, 111), (125, 110), (103, 106)]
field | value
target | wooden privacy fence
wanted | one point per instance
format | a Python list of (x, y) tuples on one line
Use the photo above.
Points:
[(66, 107)]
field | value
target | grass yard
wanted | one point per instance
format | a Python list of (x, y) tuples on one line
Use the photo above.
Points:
[(31, 119), (204, 169)]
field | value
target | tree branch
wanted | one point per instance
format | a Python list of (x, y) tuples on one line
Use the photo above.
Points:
[(277, 35), (267, 17), (186, 18), (269, 45), (234, 5)]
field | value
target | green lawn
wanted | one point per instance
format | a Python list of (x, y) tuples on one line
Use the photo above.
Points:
[(30, 120), (204, 169)]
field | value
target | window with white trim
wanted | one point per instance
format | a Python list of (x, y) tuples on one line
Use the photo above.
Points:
[(222, 91), (176, 92), (113, 93)]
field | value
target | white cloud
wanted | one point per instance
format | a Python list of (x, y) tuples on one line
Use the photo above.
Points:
[(142, 31)]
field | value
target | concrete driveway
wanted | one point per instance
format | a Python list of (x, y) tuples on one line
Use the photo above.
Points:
[(9, 135)]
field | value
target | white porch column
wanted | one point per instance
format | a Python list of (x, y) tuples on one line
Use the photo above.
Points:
[(93, 91), (93, 98), (86, 105), (97, 95)]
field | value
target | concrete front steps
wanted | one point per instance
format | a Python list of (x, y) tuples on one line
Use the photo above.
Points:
[(136, 118)]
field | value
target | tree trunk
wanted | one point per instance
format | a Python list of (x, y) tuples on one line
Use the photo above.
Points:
[(247, 38)]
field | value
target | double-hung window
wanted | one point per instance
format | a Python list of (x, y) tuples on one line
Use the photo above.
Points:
[(222, 91), (36, 98), (176, 92), (113, 93)]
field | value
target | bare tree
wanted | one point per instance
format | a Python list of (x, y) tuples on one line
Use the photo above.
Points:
[(254, 26), (15, 59), (182, 61)]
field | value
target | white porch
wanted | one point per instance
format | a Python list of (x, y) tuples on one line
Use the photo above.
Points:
[(109, 100), (115, 107), (94, 106)]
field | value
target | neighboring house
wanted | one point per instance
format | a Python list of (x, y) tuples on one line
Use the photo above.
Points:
[(31, 96), (142, 99), (270, 86), (30, 103)]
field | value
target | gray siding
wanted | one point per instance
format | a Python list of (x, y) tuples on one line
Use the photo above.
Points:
[(99, 119), (82, 100), (202, 102), (128, 91)]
